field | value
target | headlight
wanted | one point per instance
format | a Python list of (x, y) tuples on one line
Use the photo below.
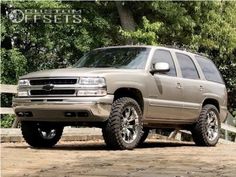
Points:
[(23, 82), (92, 86), (95, 81)]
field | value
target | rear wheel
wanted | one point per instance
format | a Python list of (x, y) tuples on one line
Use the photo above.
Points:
[(123, 129), (206, 131), (41, 134)]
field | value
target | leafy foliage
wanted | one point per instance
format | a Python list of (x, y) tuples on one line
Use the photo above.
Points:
[(147, 34), (7, 121)]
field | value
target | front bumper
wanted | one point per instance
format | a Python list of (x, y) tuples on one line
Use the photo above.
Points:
[(63, 109)]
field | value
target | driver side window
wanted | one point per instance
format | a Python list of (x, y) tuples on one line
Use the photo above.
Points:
[(161, 55)]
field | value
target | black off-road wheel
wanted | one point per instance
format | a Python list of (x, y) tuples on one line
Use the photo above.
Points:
[(206, 131), (123, 130), (41, 135)]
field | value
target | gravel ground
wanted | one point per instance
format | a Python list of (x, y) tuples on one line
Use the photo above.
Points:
[(91, 158)]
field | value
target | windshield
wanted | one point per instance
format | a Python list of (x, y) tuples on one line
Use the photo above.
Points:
[(126, 57)]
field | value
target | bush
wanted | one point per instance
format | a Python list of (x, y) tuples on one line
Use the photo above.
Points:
[(7, 121)]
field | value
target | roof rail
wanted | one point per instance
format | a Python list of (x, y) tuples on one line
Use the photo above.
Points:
[(185, 48), (174, 47)]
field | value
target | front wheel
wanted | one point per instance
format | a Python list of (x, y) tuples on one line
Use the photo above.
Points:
[(38, 134), (123, 129), (144, 136), (206, 132)]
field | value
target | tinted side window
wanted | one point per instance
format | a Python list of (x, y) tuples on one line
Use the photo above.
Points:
[(187, 66), (209, 70), (164, 56)]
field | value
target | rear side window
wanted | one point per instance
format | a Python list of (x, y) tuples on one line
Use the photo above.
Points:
[(209, 69), (164, 56), (187, 66)]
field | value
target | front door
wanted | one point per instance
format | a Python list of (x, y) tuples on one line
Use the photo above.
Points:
[(165, 105)]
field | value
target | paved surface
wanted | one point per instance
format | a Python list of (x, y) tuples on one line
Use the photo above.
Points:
[(91, 158)]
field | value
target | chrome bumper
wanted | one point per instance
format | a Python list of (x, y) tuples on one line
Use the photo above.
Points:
[(63, 109)]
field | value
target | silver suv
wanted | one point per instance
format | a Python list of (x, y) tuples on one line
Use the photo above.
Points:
[(125, 90)]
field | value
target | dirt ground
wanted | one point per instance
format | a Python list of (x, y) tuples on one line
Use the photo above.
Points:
[(91, 158)]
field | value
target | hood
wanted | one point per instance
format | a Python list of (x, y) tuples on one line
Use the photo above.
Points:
[(76, 72)]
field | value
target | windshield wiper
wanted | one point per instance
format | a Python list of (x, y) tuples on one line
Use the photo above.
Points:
[(105, 66)]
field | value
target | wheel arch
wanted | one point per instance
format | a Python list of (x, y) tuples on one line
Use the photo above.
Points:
[(134, 93), (212, 101)]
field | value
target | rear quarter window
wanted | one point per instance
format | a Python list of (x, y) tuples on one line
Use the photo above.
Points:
[(209, 70)]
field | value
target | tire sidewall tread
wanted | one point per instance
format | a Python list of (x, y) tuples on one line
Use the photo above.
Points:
[(199, 130), (111, 131), (32, 136)]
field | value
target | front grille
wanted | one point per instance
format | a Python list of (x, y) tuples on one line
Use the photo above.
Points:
[(52, 92), (53, 81)]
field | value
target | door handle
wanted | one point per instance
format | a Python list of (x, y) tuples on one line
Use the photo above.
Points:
[(201, 88), (179, 86)]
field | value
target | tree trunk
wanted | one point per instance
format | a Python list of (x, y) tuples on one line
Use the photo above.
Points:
[(126, 17)]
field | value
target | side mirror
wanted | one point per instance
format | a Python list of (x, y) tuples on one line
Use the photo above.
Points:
[(160, 67)]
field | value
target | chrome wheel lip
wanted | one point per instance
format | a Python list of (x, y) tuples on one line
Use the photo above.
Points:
[(129, 124), (212, 126)]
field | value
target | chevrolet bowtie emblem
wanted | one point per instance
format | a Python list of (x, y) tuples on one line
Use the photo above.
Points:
[(48, 87)]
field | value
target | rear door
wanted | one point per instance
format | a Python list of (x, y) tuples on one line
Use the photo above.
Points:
[(192, 87), (167, 104), (213, 84)]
